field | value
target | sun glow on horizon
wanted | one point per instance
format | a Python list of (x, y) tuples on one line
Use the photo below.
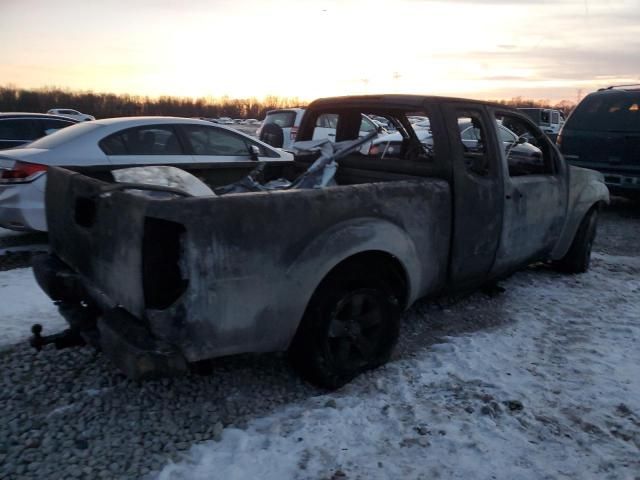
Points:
[(318, 48)]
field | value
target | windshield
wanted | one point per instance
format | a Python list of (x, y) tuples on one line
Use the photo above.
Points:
[(63, 136), (607, 112)]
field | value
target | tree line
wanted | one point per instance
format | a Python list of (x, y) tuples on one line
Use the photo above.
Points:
[(105, 105)]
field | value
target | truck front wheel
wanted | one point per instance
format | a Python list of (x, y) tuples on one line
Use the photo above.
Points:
[(578, 258), (351, 325)]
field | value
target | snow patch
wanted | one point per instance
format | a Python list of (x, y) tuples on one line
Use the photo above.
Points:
[(22, 304), (554, 393)]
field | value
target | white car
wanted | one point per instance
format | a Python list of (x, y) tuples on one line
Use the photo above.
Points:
[(67, 112), (288, 121), (104, 145)]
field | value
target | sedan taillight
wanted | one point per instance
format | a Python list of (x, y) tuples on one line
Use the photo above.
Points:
[(22, 172)]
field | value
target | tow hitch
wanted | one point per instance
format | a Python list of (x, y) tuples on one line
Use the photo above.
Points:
[(66, 339)]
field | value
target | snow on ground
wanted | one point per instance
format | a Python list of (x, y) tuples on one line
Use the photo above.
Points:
[(553, 392), (23, 303)]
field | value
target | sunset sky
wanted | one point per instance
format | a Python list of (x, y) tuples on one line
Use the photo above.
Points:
[(548, 49)]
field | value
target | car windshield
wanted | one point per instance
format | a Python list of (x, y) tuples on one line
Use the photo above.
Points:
[(607, 112), (63, 136)]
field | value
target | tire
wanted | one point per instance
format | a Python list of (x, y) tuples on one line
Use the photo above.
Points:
[(578, 258), (273, 135), (351, 325)]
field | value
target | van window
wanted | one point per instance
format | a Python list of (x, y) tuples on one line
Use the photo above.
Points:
[(284, 118), (607, 112)]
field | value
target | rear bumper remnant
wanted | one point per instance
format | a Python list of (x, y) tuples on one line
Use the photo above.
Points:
[(122, 337)]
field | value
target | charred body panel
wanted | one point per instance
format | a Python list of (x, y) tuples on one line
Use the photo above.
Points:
[(250, 281), (587, 190), (241, 283)]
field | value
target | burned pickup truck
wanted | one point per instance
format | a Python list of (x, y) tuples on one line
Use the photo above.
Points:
[(162, 282)]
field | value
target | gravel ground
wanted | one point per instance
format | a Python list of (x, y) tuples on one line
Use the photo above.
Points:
[(70, 414)]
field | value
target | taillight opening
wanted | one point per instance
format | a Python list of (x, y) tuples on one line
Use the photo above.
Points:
[(22, 172), (162, 278)]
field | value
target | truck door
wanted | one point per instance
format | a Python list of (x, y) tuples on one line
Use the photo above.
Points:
[(478, 193), (535, 195)]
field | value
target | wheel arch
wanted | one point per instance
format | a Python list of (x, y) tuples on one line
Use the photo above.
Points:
[(376, 260), (377, 242), (593, 194)]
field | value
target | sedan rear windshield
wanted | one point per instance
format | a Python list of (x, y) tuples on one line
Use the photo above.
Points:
[(65, 135), (609, 113), (284, 119)]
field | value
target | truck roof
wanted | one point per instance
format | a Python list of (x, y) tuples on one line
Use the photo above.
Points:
[(392, 100)]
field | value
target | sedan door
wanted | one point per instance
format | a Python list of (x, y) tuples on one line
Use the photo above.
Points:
[(157, 144)]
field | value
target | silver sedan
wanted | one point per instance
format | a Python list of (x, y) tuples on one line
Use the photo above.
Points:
[(101, 146)]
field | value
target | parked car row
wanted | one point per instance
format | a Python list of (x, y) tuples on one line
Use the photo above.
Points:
[(602, 133)]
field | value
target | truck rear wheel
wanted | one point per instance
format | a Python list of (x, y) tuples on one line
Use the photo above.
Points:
[(578, 258), (351, 325)]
